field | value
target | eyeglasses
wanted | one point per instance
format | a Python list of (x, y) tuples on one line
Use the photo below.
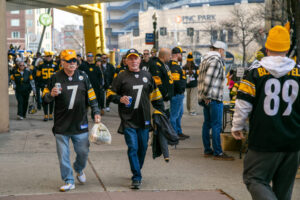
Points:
[(72, 60), (146, 53), (90, 55)]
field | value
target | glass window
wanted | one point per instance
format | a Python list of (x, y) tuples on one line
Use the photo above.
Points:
[(29, 12), (15, 12), (15, 22), (230, 35), (214, 35), (29, 23), (223, 35), (15, 34)]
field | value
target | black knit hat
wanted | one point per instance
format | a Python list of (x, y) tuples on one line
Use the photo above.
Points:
[(190, 57)]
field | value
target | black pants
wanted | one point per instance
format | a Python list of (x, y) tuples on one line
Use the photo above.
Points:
[(47, 107), (260, 168), (22, 98), (38, 96)]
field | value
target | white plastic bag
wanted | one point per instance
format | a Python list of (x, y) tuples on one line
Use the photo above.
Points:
[(99, 134)]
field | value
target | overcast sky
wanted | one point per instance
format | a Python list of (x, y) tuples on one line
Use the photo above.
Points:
[(62, 18)]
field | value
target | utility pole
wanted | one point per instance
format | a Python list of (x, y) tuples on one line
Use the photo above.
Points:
[(43, 33)]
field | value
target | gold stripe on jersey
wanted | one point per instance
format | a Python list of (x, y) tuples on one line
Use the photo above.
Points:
[(247, 88), (38, 73), (155, 95), (248, 82), (157, 80), (91, 94), (45, 91), (109, 93), (176, 76), (12, 77), (157, 112)]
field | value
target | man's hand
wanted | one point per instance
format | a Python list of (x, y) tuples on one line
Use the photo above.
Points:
[(207, 101), (238, 135), (55, 91), (125, 100), (97, 118)]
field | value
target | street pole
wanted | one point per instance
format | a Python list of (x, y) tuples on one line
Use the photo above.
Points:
[(154, 30), (43, 33)]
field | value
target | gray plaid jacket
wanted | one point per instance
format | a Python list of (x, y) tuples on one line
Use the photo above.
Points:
[(211, 77)]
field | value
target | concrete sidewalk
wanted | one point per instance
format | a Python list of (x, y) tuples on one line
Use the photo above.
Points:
[(29, 166)]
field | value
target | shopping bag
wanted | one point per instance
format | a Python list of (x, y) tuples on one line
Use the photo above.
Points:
[(99, 134)]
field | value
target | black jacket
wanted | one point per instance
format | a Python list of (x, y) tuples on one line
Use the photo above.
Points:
[(178, 76), (108, 72), (162, 127), (191, 79)]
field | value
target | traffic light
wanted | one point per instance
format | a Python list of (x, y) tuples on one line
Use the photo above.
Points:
[(190, 32), (163, 31)]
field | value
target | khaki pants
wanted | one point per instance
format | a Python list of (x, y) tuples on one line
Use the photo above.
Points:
[(191, 99)]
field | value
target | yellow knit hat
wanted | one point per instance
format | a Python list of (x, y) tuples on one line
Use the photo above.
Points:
[(278, 39)]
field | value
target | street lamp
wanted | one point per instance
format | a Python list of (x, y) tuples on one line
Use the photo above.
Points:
[(154, 18)]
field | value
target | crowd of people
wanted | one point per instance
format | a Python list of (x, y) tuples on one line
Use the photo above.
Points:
[(267, 95)]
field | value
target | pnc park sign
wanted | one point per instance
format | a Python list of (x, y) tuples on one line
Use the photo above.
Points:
[(194, 19)]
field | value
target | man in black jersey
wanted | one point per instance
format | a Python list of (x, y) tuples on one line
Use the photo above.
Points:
[(72, 92), (133, 90), (145, 64), (269, 95)]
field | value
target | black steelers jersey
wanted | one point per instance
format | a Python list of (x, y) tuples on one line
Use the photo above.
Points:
[(70, 113), (275, 117), (45, 71), (119, 69), (178, 76), (141, 88)]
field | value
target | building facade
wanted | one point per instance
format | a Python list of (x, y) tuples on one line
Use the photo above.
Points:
[(15, 26)]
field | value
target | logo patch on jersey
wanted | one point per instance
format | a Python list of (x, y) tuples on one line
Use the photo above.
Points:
[(137, 76), (145, 79), (81, 78), (84, 126), (91, 69), (70, 78)]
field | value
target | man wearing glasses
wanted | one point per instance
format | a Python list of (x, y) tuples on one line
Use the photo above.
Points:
[(45, 71), (96, 77), (109, 71), (72, 92), (145, 64)]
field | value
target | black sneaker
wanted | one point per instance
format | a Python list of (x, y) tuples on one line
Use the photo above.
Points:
[(223, 156), (136, 184), (181, 137)]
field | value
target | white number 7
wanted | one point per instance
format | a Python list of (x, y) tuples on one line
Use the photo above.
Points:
[(139, 94), (72, 100)]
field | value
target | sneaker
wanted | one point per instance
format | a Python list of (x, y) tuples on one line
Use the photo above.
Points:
[(184, 135), (81, 177), (167, 160), (50, 117), (45, 118), (20, 117), (193, 113), (67, 187), (136, 184), (107, 109), (223, 156), (208, 154), (181, 137)]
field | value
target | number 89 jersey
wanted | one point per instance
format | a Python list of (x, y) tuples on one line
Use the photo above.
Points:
[(275, 117)]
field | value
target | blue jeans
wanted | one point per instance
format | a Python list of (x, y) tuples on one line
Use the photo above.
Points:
[(137, 142), (176, 112), (213, 113), (81, 146)]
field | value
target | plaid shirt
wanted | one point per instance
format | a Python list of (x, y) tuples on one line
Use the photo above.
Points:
[(211, 77)]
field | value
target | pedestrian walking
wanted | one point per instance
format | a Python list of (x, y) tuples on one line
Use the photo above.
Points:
[(109, 71), (72, 92), (210, 96), (133, 90), (269, 96)]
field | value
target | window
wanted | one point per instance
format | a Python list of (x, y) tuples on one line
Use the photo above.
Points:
[(15, 34), (214, 35), (29, 23), (15, 12), (223, 35), (198, 36), (230, 36), (29, 12), (15, 22)]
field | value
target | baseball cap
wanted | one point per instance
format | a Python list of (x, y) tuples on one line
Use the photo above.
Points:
[(220, 45), (68, 54), (177, 50), (132, 52)]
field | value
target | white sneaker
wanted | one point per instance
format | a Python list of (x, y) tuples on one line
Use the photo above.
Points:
[(107, 109), (193, 113), (81, 177), (67, 187), (19, 117)]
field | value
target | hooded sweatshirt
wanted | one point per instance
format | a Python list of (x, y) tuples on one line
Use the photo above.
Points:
[(269, 95)]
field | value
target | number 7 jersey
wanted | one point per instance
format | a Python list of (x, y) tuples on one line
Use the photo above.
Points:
[(275, 117)]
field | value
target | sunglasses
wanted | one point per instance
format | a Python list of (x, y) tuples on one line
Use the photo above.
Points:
[(146, 53), (90, 55), (72, 60), (48, 56)]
